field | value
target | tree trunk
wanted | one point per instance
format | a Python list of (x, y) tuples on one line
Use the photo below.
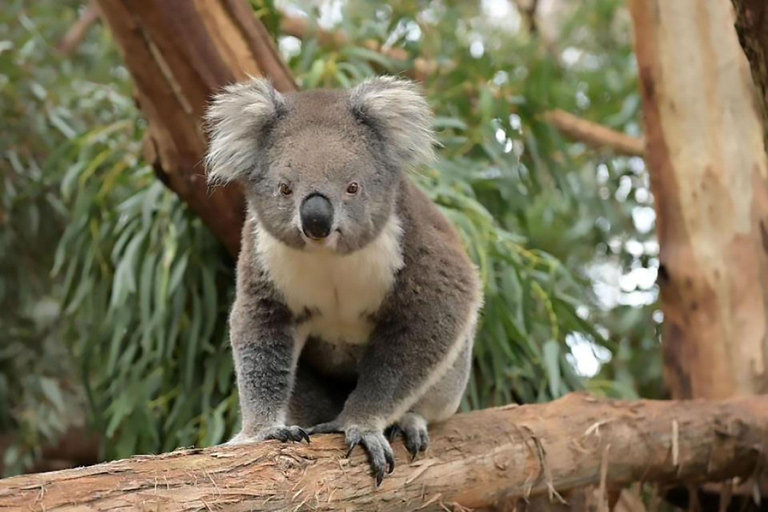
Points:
[(752, 28), (178, 53), (475, 460), (708, 174)]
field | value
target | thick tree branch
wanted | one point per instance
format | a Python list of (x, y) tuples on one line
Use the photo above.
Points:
[(475, 460)]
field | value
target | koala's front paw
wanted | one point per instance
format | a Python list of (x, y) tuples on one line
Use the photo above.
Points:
[(375, 443), (379, 450)]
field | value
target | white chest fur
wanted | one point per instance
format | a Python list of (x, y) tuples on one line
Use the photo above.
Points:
[(341, 290)]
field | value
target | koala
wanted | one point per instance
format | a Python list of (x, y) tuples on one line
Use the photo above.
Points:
[(356, 304)]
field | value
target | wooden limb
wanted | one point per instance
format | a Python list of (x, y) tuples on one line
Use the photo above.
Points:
[(595, 135), (475, 460), (79, 30), (179, 52)]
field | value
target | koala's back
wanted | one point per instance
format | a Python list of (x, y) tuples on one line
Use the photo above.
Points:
[(442, 282)]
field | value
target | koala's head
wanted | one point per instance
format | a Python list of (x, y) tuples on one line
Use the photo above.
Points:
[(319, 168)]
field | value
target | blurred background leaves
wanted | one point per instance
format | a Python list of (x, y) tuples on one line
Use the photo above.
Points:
[(114, 296)]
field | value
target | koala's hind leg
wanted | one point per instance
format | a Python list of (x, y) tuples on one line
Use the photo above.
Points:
[(315, 398), (437, 404)]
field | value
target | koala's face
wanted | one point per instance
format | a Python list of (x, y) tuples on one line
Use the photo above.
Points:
[(325, 179), (321, 169)]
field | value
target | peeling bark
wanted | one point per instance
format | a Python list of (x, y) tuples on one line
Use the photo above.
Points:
[(708, 174), (476, 460)]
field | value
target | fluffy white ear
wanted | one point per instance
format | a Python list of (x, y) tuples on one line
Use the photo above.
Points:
[(396, 109), (236, 120)]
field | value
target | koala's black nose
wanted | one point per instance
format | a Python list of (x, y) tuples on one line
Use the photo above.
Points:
[(316, 216)]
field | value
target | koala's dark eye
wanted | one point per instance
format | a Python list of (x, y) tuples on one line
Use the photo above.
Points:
[(285, 189), (353, 188)]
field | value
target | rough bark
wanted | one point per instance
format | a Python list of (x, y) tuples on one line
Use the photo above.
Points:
[(708, 174), (752, 28), (178, 53), (475, 460)]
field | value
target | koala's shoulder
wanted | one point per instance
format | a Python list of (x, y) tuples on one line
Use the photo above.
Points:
[(437, 274), (425, 222)]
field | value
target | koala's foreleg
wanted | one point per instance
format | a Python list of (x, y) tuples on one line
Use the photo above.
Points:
[(265, 363)]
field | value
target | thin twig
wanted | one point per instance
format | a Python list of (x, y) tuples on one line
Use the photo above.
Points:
[(602, 504), (77, 32)]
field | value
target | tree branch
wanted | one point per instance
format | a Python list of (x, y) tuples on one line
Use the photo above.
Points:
[(79, 30), (475, 460), (595, 135)]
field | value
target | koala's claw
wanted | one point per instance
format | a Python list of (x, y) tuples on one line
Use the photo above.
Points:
[(392, 433), (284, 434), (351, 448), (379, 451)]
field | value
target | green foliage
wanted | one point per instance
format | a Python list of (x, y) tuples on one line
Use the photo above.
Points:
[(44, 102), (135, 290), (147, 296)]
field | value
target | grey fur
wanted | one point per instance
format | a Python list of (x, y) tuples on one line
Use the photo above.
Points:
[(236, 119), (412, 366)]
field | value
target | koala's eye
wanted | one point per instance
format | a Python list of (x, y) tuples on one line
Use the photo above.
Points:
[(353, 188), (285, 189)]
